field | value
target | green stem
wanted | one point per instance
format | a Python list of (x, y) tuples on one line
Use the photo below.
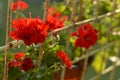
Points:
[(63, 73), (85, 66), (112, 74)]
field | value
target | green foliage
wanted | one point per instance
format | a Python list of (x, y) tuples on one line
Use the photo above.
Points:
[(14, 73)]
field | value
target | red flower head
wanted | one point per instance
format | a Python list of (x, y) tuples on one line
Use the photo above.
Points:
[(19, 55), (54, 19), (30, 30), (65, 59), (86, 36), (55, 13), (52, 11), (54, 23), (27, 64), (14, 63), (19, 5)]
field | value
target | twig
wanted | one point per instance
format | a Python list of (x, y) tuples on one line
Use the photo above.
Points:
[(96, 16), (70, 29), (9, 18), (85, 66), (67, 2), (95, 11), (112, 74), (80, 11), (108, 70), (101, 66), (94, 52), (41, 52), (12, 44), (63, 73), (107, 37), (68, 37)]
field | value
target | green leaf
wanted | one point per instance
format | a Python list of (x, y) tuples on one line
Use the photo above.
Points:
[(14, 73)]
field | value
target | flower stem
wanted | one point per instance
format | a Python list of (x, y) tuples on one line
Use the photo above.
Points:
[(112, 74), (9, 18), (63, 73), (85, 66)]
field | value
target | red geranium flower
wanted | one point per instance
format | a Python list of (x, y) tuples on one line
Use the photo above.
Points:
[(54, 23), (27, 64), (30, 30), (54, 19), (19, 55), (55, 13), (86, 36), (52, 11), (19, 5), (65, 59), (15, 63)]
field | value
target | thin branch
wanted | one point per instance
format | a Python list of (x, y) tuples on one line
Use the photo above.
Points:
[(94, 51), (67, 2), (112, 74), (96, 16), (46, 11), (12, 44), (70, 29), (85, 66), (41, 52), (63, 73), (80, 11), (69, 34), (9, 18), (95, 10), (108, 70)]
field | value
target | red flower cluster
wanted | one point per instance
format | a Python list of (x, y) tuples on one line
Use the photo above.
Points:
[(87, 36), (30, 30), (52, 11), (23, 63), (27, 64), (14, 63), (19, 55), (54, 23), (54, 19), (19, 5), (65, 59)]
